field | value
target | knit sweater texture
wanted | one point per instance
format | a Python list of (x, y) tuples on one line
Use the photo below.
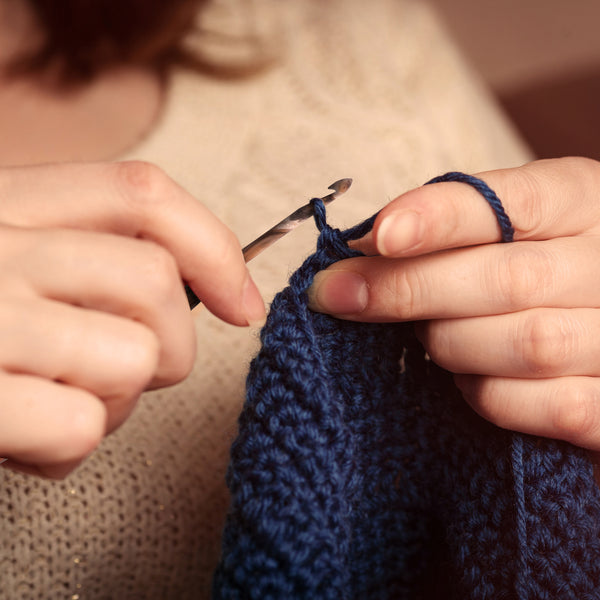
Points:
[(375, 91), (360, 472)]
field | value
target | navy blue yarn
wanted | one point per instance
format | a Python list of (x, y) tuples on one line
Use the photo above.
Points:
[(360, 473), (488, 193)]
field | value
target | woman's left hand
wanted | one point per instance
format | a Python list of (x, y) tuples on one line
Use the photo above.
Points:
[(519, 323)]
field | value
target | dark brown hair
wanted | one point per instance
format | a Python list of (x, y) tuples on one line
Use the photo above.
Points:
[(82, 38)]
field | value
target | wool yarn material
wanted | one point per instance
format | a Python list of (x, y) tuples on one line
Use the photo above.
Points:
[(359, 472), (372, 90), (506, 229)]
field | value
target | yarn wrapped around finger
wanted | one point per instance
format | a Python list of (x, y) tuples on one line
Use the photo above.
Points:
[(359, 472), (506, 229)]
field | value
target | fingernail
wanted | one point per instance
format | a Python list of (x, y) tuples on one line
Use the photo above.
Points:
[(338, 293), (399, 232), (253, 304)]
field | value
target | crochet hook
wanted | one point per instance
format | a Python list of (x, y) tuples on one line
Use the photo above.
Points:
[(278, 231)]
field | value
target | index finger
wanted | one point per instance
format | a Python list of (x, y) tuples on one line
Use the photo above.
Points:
[(544, 199), (138, 199)]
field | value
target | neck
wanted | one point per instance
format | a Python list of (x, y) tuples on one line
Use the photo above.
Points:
[(96, 121)]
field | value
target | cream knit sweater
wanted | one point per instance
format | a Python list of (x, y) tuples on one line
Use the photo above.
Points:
[(369, 90)]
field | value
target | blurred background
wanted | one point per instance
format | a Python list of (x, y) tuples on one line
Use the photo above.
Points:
[(542, 60)]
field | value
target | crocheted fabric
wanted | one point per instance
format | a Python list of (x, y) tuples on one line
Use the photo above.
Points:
[(359, 472)]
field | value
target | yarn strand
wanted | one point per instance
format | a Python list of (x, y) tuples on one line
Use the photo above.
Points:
[(522, 575), (506, 228)]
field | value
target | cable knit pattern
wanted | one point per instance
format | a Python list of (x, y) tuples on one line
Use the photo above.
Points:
[(359, 472)]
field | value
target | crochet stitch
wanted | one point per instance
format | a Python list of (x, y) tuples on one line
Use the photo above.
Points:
[(360, 473)]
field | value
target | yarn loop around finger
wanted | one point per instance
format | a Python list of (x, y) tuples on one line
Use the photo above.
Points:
[(506, 228)]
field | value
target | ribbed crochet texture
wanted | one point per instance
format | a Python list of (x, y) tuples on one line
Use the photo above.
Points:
[(360, 473)]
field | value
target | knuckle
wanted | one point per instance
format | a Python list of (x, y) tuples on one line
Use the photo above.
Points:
[(546, 344), (141, 183), (144, 358), (541, 179), (175, 364), (403, 292), (524, 276), (159, 273), (86, 430), (141, 362), (576, 415), (181, 367), (528, 213)]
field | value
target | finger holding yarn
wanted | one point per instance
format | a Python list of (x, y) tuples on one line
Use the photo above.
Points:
[(544, 200)]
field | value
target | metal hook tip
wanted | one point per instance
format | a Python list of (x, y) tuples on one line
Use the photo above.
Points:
[(341, 185)]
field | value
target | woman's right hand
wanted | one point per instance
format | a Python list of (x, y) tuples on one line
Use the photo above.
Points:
[(92, 306)]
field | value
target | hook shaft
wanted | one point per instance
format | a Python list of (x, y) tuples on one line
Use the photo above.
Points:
[(276, 232)]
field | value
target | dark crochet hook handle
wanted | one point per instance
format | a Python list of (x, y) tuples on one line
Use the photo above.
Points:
[(278, 231)]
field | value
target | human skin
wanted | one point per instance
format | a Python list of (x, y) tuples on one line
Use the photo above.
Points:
[(93, 310), (92, 257), (518, 324)]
